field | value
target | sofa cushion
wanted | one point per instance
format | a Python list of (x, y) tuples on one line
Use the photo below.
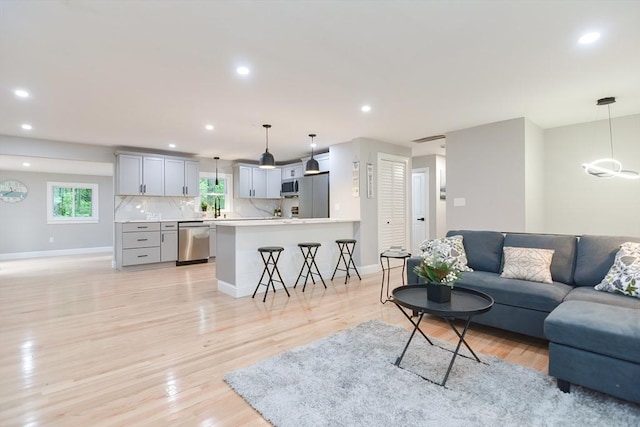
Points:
[(450, 248), (527, 264), (563, 261), (624, 275), (518, 293), (483, 249), (599, 328), (595, 257), (587, 293)]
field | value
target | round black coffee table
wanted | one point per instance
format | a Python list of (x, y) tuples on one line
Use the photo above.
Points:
[(465, 303)]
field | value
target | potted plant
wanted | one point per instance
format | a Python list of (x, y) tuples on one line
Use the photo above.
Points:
[(204, 206), (440, 273)]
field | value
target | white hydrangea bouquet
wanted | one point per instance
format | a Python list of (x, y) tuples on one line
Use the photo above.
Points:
[(440, 264)]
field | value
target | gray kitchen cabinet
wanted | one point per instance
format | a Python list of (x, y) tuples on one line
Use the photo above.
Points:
[(168, 241), (295, 170), (137, 243), (212, 240), (181, 178), (253, 182), (139, 175)]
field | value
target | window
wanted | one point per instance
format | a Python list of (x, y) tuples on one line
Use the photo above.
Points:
[(222, 194), (69, 202)]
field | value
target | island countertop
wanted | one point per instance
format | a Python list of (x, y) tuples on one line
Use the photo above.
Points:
[(239, 265), (284, 221)]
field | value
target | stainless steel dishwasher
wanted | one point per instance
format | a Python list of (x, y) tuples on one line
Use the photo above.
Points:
[(193, 242)]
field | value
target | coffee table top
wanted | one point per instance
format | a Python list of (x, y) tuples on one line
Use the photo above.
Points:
[(464, 302)]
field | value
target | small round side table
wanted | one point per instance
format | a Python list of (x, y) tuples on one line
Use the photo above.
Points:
[(391, 254)]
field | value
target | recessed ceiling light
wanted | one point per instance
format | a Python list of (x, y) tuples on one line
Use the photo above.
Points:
[(21, 93), (172, 145), (589, 38), (243, 71), (26, 126), (365, 108), (208, 127), (26, 164)]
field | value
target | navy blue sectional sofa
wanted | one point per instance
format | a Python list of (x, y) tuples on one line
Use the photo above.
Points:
[(594, 336)]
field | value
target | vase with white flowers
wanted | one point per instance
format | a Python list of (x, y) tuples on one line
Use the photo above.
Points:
[(440, 272)]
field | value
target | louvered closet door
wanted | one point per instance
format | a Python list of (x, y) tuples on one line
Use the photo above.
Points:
[(392, 214)]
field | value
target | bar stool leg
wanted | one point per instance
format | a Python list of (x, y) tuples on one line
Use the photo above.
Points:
[(313, 264), (275, 268), (340, 258), (351, 251)]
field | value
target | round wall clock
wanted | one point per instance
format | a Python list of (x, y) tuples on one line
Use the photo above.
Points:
[(12, 191)]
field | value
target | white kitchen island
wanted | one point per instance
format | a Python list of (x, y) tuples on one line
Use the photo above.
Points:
[(239, 264)]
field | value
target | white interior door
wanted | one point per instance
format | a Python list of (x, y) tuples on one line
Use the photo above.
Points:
[(392, 202), (420, 204)]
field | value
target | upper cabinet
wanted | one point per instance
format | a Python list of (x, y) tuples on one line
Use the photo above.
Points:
[(295, 170), (150, 175), (139, 175), (181, 178), (253, 182)]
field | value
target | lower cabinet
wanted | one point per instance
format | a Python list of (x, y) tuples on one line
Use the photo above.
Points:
[(139, 243), (212, 241), (169, 246)]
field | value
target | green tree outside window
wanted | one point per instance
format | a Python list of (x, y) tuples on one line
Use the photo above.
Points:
[(211, 193)]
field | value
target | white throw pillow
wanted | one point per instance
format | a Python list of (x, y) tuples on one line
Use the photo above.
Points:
[(528, 264), (450, 247), (624, 275)]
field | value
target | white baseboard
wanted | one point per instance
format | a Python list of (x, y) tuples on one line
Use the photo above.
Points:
[(368, 269), (60, 252)]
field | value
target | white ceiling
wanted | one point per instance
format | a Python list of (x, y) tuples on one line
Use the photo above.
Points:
[(150, 73)]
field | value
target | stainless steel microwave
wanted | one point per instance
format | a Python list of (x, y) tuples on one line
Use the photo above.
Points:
[(289, 188)]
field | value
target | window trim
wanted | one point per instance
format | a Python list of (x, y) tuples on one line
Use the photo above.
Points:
[(93, 219), (229, 189)]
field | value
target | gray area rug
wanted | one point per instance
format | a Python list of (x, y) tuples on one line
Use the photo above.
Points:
[(349, 379)]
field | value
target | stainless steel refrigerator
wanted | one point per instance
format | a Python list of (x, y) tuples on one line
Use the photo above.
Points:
[(313, 196)]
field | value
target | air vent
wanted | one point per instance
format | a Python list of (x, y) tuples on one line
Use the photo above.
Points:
[(428, 139)]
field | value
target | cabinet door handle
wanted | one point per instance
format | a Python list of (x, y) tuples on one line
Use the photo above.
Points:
[(140, 188), (186, 190), (169, 226), (145, 188), (142, 226), (183, 192), (142, 240), (142, 256), (163, 238)]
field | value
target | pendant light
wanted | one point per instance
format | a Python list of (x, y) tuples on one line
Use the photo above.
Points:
[(312, 166), (609, 168), (266, 159), (216, 159)]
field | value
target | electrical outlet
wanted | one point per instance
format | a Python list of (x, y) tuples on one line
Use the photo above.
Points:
[(51, 239)]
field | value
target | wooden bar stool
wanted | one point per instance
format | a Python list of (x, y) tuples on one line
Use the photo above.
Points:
[(346, 247), (309, 250), (270, 267)]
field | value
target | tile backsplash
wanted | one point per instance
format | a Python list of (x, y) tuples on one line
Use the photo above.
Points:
[(131, 208)]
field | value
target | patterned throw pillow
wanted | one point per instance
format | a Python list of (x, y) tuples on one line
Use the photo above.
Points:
[(450, 247), (624, 275), (528, 264)]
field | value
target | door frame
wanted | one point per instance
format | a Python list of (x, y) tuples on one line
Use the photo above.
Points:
[(424, 171), (407, 197)]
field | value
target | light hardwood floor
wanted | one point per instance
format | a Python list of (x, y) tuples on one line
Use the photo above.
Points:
[(82, 344)]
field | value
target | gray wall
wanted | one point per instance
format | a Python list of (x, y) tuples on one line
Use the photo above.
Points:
[(534, 176), (486, 168), (581, 204), (18, 146), (342, 157), (25, 227)]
